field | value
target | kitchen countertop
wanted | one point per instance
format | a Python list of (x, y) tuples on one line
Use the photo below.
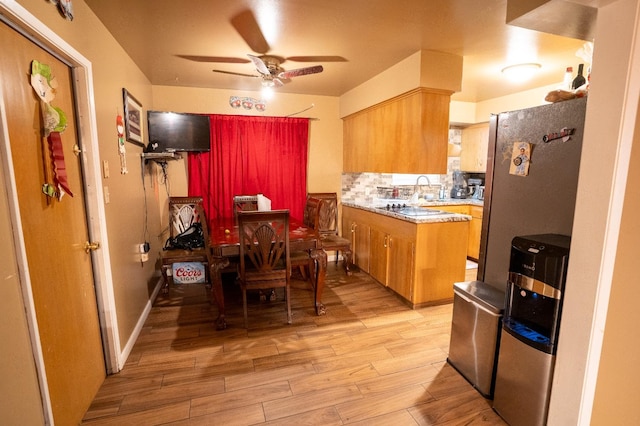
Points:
[(428, 204)]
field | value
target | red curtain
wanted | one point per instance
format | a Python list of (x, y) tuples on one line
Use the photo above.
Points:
[(252, 155)]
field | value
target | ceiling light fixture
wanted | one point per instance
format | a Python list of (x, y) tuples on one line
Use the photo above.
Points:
[(267, 91), (521, 72)]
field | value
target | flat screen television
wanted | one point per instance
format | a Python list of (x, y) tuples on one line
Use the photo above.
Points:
[(173, 132)]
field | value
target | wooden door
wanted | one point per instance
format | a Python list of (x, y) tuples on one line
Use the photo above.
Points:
[(55, 233)]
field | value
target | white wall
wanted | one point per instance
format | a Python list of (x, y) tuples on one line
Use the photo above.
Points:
[(469, 113), (599, 204)]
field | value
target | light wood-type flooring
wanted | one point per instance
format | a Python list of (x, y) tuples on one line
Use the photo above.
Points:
[(370, 361)]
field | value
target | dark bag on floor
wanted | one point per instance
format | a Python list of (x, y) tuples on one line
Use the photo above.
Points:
[(190, 238)]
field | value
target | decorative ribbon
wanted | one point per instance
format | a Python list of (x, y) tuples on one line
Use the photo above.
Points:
[(57, 158)]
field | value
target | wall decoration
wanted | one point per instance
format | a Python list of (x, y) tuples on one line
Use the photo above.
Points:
[(122, 151), (247, 103), (65, 7), (235, 102), (132, 118), (54, 123)]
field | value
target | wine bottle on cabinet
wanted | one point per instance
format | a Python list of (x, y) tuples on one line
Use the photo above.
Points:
[(579, 80)]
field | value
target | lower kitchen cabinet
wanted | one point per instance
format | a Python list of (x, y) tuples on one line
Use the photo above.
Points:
[(401, 265), (475, 226), (419, 262), (360, 236), (475, 231), (379, 254), (392, 260)]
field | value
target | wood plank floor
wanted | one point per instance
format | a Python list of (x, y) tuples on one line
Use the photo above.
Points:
[(369, 361)]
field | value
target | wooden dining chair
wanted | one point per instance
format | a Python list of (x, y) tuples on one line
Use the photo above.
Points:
[(302, 258), (183, 212), (265, 261), (245, 203), (328, 228)]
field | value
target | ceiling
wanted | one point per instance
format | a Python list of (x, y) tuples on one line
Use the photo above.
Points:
[(371, 36)]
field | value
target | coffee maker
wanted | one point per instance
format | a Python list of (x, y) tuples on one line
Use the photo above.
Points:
[(460, 187), (477, 188)]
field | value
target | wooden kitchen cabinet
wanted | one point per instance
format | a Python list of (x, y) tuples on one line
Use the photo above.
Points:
[(457, 208), (475, 230), (419, 262), (359, 234), (475, 226), (400, 266), (392, 260), (406, 134), (379, 254), (475, 145)]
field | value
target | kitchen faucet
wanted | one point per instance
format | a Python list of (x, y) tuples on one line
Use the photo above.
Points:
[(423, 176), (416, 189)]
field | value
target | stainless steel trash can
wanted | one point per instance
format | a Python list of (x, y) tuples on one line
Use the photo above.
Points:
[(477, 318)]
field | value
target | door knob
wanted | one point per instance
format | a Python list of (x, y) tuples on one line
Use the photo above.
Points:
[(91, 246)]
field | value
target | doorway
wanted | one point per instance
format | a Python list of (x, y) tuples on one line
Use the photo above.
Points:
[(63, 285)]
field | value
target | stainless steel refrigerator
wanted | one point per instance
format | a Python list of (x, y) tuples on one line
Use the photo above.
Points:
[(541, 202), (530, 189)]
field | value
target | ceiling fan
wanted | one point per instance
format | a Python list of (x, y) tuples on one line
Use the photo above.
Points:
[(268, 66)]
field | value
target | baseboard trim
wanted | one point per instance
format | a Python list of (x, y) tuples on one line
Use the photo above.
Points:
[(126, 350)]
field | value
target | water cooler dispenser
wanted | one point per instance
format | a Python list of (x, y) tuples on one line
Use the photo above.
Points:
[(529, 336)]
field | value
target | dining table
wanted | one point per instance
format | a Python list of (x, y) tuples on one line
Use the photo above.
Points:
[(224, 244)]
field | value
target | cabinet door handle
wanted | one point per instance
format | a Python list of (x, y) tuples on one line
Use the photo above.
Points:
[(386, 241)]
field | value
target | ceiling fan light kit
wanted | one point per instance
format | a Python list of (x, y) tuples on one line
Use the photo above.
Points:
[(268, 66)]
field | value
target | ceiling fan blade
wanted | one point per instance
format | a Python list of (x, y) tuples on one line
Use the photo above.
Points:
[(277, 82), (246, 25), (260, 65), (301, 71), (316, 59), (235, 73), (223, 59)]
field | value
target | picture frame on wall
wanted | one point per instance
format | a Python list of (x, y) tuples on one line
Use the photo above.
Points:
[(132, 119)]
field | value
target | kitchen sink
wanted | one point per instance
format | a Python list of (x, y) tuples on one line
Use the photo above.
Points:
[(414, 211), (419, 211)]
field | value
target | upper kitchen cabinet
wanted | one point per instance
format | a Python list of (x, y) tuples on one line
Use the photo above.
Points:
[(405, 134), (475, 145)]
